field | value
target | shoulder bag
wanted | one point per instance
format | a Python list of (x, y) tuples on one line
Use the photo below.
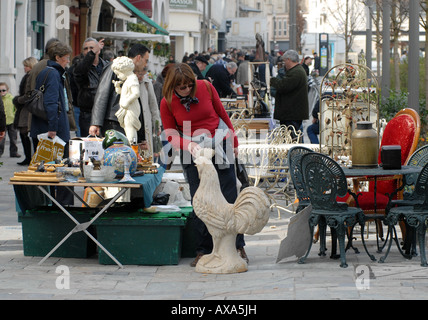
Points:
[(34, 100)]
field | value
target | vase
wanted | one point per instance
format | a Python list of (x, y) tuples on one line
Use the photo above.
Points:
[(365, 146), (113, 156), (113, 136), (126, 163)]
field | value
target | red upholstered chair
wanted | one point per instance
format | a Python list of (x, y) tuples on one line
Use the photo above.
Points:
[(402, 130)]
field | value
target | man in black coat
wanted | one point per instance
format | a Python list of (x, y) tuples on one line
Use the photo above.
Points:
[(199, 65), (291, 99), (221, 76), (87, 73)]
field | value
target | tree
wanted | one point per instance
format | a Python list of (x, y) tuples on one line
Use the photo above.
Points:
[(399, 14), (349, 16), (300, 27)]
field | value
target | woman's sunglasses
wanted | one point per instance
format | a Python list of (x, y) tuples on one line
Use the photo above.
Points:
[(190, 86)]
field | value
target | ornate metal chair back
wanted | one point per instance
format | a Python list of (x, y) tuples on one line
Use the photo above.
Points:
[(284, 135), (422, 187), (324, 180), (295, 167), (418, 159)]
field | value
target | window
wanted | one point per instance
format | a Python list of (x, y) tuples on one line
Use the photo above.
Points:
[(279, 27), (285, 27), (257, 28), (274, 28), (235, 29)]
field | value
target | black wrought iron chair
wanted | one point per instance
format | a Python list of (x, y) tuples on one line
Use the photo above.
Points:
[(294, 163), (325, 182), (409, 198), (415, 216)]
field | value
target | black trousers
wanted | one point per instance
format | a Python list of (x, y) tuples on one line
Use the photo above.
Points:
[(84, 123), (227, 180)]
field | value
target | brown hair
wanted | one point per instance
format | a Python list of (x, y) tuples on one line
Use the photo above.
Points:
[(179, 74), (58, 49)]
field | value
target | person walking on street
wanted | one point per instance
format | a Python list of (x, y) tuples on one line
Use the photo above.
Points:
[(317, 62), (87, 73), (9, 109), (2, 121), (56, 103), (291, 98), (22, 116), (106, 102), (55, 97), (306, 63)]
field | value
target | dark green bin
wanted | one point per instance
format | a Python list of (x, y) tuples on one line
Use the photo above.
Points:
[(139, 238), (44, 228)]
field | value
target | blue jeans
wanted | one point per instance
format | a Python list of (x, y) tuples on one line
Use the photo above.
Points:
[(313, 130)]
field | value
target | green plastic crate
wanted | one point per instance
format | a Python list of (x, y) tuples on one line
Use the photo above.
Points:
[(44, 228), (141, 239)]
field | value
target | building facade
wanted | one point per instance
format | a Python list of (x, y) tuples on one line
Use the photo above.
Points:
[(195, 25), (71, 21)]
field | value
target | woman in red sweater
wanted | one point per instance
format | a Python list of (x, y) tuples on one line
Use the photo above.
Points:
[(191, 112)]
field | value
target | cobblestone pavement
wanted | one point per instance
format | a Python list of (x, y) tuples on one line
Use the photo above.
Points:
[(320, 278)]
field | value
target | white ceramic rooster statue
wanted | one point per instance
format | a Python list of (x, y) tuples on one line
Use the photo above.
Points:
[(248, 215)]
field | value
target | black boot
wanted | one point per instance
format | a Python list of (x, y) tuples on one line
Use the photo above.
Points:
[(26, 143)]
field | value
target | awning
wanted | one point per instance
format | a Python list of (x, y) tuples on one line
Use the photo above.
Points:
[(128, 35), (143, 17), (120, 12)]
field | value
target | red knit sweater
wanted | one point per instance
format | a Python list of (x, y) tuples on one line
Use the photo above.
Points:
[(202, 117)]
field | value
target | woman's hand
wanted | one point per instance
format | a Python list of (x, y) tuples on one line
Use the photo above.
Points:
[(51, 134), (236, 152)]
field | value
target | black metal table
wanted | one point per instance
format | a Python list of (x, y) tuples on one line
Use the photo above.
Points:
[(375, 173)]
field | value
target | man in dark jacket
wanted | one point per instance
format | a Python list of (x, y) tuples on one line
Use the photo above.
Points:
[(87, 74), (221, 76), (106, 102), (291, 99), (198, 66)]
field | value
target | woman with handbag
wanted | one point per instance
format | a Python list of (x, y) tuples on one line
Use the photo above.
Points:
[(22, 115), (190, 107), (56, 105), (55, 98)]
